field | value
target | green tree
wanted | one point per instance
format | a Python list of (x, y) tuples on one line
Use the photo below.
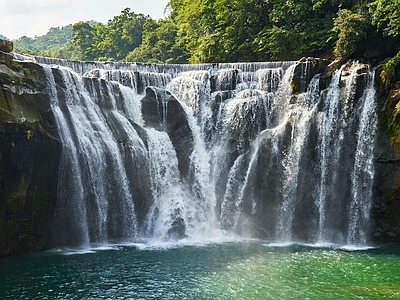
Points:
[(351, 28), (195, 20), (298, 28), (121, 35), (24, 43), (49, 44), (238, 24), (159, 44), (386, 15), (244, 30), (82, 39)]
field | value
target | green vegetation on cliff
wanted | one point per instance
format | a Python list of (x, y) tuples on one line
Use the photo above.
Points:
[(50, 44), (385, 16), (228, 31)]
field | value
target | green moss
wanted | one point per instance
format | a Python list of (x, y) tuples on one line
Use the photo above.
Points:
[(30, 73), (394, 125), (388, 75), (387, 71), (294, 85)]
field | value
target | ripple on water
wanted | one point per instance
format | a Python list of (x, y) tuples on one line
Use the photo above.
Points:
[(247, 269)]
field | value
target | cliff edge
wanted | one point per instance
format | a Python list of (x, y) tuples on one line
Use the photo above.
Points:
[(29, 156)]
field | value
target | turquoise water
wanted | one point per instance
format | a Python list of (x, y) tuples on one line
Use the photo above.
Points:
[(233, 270)]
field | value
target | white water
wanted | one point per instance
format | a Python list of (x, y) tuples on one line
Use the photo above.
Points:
[(265, 163), (328, 119), (169, 194), (93, 160), (363, 172), (301, 115)]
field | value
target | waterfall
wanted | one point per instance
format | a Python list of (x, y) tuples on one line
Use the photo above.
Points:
[(166, 152), (362, 174), (301, 116), (328, 136), (169, 208), (99, 197)]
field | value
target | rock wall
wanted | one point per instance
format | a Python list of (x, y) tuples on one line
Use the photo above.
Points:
[(29, 156), (386, 209)]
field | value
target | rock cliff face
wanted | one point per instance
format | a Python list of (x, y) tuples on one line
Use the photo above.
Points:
[(29, 156), (386, 211)]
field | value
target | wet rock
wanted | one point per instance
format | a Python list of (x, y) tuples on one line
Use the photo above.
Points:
[(163, 112), (28, 187), (361, 79), (178, 227), (224, 80), (386, 206), (305, 70), (246, 117), (29, 158)]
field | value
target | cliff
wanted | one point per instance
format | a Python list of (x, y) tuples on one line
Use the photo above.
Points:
[(386, 210), (29, 156)]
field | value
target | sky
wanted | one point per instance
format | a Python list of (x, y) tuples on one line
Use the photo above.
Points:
[(35, 17)]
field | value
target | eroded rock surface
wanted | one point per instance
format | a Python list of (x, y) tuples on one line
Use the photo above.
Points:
[(29, 157)]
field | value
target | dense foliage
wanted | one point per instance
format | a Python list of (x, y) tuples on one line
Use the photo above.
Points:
[(159, 44), (198, 31), (50, 44)]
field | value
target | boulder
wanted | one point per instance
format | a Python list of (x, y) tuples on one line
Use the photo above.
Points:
[(6, 46), (246, 117), (361, 78), (305, 70), (224, 80), (178, 227)]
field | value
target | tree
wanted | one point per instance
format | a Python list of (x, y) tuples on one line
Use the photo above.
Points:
[(351, 28), (49, 44), (298, 28), (121, 35), (24, 43), (82, 39), (238, 24), (195, 20), (159, 44), (386, 16)]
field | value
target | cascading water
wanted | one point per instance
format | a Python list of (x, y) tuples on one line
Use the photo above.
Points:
[(363, 172), (173, 152), (169, 209), (93, 182)]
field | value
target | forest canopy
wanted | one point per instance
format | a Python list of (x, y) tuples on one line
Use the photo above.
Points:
[(200, 31)]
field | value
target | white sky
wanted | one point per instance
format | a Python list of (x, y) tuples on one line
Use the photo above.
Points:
[(35, 17)]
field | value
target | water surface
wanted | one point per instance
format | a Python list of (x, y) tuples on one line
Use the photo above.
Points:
[(234, 270)]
